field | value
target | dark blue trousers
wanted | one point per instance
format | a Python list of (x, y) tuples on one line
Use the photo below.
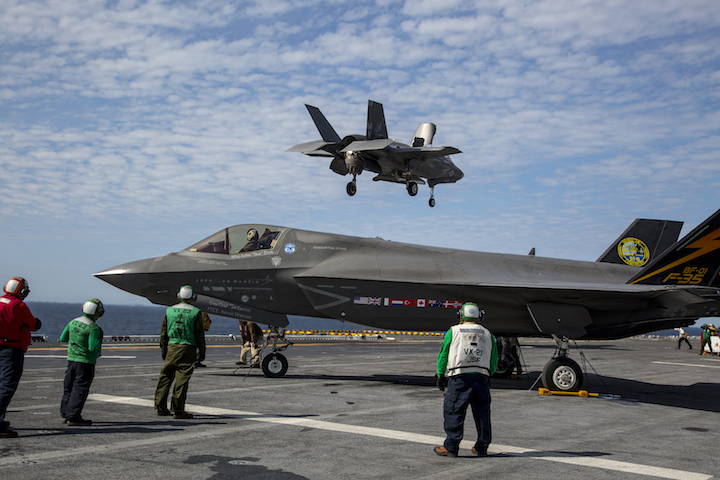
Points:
[(11, 368), (464, 390), (78, 378)]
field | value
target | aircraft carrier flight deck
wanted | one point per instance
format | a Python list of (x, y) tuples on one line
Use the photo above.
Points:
[(370, 410)]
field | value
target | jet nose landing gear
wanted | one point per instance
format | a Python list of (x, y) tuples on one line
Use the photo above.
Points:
[(275, 365)]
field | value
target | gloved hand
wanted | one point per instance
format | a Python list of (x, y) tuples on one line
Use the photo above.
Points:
[(38, 324), (164, 354), (441, 382)]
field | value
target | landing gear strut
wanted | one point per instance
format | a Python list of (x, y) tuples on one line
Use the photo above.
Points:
[(561, 373), (275, 364)]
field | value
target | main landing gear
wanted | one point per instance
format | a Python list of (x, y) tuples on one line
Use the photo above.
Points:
[(275, 364), (412, 188), (561, 374)]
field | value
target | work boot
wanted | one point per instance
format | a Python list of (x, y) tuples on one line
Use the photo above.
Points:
[(78, 422), (182, 416), (5, 424), (163, 412), (200, 365), (7, 433), (240, 363), (444, 452), (482, 452)]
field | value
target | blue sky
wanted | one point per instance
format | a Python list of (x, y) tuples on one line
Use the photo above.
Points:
[(131, 129)]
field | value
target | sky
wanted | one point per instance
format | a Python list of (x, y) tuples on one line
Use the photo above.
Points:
[(132, 129)]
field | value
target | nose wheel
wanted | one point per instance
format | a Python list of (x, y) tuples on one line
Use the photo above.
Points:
[(431, 202), (351, 188)]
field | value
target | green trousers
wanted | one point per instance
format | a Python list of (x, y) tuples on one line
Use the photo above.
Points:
[(179, 365)]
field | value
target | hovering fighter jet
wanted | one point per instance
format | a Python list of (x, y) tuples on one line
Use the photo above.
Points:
[(391, 160), (646, 281)]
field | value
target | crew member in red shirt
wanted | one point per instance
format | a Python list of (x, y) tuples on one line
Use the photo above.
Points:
[(16, 325)]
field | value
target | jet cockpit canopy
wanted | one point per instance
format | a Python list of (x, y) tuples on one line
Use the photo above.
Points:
[(240, 239)]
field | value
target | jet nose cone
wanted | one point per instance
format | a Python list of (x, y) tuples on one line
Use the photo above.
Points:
[(132, 277)]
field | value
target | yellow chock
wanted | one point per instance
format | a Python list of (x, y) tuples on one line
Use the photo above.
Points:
[(581, 393)]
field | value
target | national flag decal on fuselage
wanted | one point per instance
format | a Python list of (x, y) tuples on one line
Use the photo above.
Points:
[(407, 302)]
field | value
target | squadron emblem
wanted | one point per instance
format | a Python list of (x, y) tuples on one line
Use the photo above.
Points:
[(633, 251)]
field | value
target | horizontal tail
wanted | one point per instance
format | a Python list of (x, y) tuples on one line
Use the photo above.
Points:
[(694, 260)]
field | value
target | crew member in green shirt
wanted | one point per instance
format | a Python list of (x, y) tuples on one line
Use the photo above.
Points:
[(84, 339), (181, 335)]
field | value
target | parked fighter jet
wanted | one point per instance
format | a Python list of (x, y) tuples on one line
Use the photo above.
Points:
[(638, 285), (391, 160)]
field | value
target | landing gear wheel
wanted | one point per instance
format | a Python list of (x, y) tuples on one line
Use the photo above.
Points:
[(412, 188), (562, 374), (505, 368), (275, 365), (351, 188), (431, 202)]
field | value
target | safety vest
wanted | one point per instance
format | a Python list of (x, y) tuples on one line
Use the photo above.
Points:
[(470, 350), (16, 323), (181, 323), (79, 342)]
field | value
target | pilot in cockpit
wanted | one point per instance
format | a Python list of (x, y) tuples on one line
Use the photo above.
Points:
[(252, 245)]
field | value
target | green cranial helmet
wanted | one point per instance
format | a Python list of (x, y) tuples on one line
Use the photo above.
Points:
[(187, 294), (93, 308), (470, 312)]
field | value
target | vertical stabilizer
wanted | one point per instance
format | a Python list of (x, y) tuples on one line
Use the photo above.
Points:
[(327, 132), (376, 127), (642, 241)]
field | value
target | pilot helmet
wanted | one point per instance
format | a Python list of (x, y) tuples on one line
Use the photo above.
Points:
[(17, 287), (470, 312), (93, 308), (187, 294), (252, 234)]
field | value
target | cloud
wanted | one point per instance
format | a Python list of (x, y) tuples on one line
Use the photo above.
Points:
[(574, 118)]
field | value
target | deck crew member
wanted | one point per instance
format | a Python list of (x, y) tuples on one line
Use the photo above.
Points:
[(467, 359), (16, 323), (181, 335), (84, 339), (251, 335)]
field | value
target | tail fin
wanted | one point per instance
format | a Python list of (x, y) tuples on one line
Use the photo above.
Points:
[(376, 128), (327, 132), (694, 260), (642, 241)]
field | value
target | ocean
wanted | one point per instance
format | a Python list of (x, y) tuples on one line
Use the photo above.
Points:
[(147, 320)]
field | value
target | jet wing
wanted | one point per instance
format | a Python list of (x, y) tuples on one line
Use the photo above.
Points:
[(386, 145), (314, 148)]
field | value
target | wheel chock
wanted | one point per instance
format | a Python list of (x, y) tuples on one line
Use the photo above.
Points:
[(581, 393)]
